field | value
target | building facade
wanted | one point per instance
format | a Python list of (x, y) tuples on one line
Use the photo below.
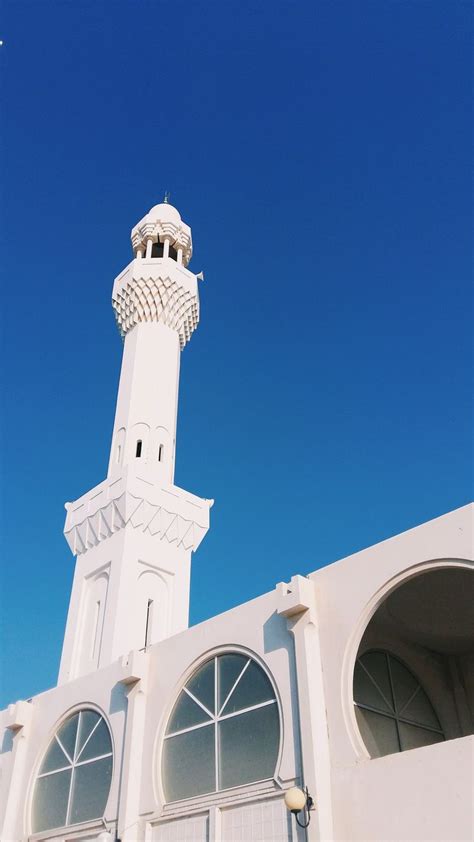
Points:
[(355, 682)]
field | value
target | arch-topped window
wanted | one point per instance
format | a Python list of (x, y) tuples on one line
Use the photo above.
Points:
[(74, 778), (419, 638), (224, 730), (392, 709)]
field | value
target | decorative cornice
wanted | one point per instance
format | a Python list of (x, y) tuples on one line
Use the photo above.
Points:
[(164, 512), (157, 290)]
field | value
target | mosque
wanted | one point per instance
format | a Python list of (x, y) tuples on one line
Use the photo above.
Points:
[(338, 706)]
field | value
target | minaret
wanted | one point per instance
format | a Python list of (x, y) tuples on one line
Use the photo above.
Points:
[(134, 533)]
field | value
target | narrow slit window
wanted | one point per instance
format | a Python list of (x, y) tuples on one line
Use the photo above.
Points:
[(149, 616), (161, 452), (138, 451), (119, 453), (95, 636)]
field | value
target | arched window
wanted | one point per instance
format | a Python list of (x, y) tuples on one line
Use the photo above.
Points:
[(73, 782), (224, 730), (392, 709)]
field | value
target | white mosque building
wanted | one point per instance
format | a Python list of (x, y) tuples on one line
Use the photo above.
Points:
[(347, 695)]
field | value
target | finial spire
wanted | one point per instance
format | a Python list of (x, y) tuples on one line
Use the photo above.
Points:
[(166, 197)]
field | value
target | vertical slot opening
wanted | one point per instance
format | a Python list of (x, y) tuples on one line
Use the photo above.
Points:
[(138, 451), (161, 452), (95, 636), (149, 616), (119, 453)]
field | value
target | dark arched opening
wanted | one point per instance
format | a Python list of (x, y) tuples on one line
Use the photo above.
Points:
[(414, 673)]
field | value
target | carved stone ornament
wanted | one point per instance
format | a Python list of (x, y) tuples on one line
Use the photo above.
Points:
[(167, 513)]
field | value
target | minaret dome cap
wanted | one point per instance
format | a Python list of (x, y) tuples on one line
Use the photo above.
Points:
[(163, 222), (164, 212)]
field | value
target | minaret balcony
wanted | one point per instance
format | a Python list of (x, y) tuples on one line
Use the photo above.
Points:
[(157, 289)]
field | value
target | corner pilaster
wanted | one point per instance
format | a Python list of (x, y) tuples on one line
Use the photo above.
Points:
[(20, 716), (297, 602)]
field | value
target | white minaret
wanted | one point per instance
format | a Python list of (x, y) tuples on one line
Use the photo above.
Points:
[(134, 533)]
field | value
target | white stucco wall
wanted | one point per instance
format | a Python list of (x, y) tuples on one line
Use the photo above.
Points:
[(424, 794)]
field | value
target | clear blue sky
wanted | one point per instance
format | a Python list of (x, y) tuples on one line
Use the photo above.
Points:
[(320, 150)]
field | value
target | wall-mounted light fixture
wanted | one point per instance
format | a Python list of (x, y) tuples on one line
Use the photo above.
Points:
[(105, 835), (299, 800)]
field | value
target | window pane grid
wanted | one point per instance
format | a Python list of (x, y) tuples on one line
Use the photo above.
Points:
[(414, 722), (246, 710), (216, 719), (191, 728), (408, 703), (50, 774), (71, 788), (79, 763), (62, 747), (195, 699), (390, 678), (63, 796), (389, 704), (398, 713), (234, 686), (247, 747), (71, 785), (93, 759), (88, 738)]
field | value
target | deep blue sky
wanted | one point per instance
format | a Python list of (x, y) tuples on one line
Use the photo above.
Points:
[(320, 151)]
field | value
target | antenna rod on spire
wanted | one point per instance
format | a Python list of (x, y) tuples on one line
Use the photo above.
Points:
[(166, 197)]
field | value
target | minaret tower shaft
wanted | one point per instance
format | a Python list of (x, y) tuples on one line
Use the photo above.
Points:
[(134, 533)]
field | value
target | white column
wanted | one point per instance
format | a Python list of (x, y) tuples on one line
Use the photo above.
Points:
[(166, 248), (19, 730), (147, 402), (129, 804), (139, 253), (180, 256), (297, 602), (149, 246)]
